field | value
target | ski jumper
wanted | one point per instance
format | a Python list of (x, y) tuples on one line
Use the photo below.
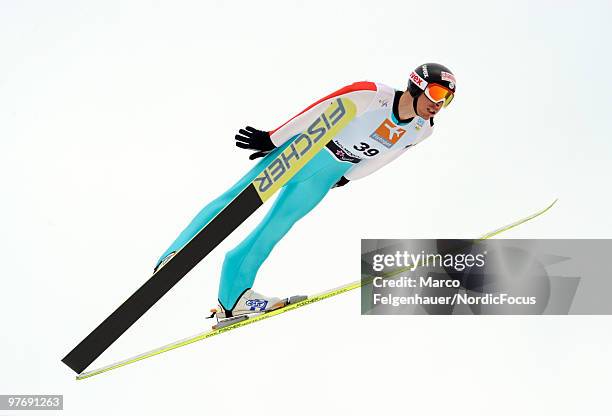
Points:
[(375, 137)]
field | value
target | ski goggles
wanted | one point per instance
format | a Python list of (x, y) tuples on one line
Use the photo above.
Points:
[(438, 93)]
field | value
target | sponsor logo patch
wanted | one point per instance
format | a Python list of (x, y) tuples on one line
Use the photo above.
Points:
[(447, 76), (341, 153), (255, 304), (420, 122), (416, 78), (388, 133), (425, 72)]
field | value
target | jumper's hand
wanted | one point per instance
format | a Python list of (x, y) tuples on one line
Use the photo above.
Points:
[(343, 181), (253, 139)]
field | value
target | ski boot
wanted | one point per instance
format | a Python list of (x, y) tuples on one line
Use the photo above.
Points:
[(250, 304), (163, 261)]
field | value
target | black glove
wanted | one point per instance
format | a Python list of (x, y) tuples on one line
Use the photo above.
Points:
[(250, 138), (343, 181)]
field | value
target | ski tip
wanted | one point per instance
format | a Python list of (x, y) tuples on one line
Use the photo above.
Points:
[(517, 223), (552, 204)]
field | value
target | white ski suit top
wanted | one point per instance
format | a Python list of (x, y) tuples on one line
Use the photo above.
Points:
[(375, 137)]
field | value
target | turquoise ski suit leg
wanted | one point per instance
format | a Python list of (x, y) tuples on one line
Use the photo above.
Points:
[(214, 207), (298, 197)]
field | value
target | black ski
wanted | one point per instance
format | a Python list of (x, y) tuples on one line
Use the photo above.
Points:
[(340, 112)]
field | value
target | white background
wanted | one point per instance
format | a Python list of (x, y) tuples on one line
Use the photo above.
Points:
[(116, 127)]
